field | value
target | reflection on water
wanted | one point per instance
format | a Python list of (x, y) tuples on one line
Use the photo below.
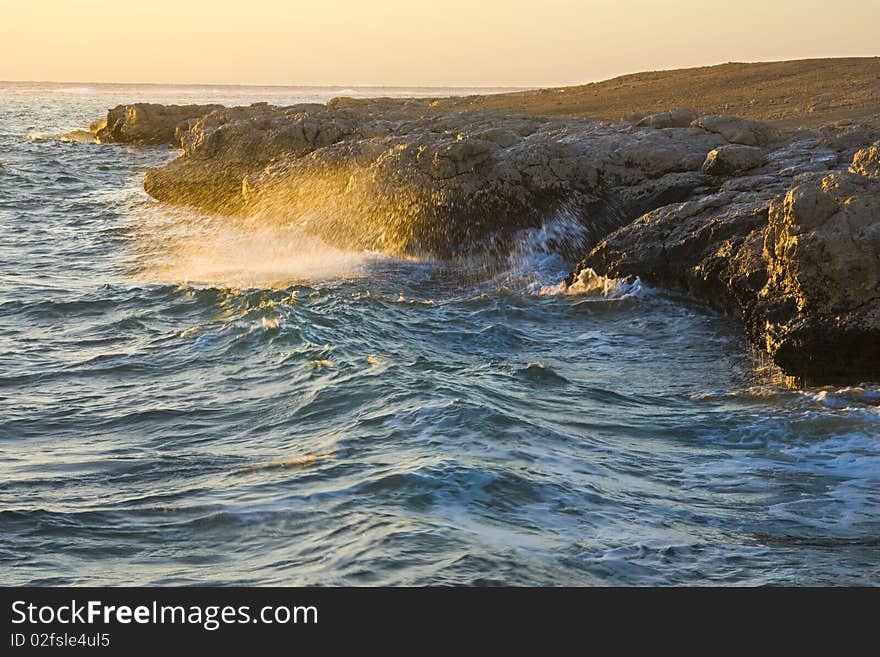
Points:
[(198, 399)]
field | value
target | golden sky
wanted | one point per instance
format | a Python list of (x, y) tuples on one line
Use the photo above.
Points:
[(414, 42)]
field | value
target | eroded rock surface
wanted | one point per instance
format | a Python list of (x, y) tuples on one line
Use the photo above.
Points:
[(819, 314), (146, 123), (406, 178)]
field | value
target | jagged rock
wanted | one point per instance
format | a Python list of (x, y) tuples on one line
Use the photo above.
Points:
[(98, 125), (146, 123), (686, 245), (733, 158), (657, 152), (797, 255), (819, 314), (500, 136), (867, 161)]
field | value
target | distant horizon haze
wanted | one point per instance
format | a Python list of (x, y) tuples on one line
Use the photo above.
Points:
[(397, 43)]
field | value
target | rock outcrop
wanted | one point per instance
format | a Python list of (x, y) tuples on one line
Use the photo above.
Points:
[(781, 227), (797, 254), (819, 313), (146, 123), (407, 179)]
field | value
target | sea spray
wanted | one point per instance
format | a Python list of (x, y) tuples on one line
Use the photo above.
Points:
[(178, 245)]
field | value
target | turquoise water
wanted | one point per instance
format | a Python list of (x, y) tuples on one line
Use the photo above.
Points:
[(189, 399)]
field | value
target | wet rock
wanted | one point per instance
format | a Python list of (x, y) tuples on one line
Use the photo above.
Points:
[(686, 245), (407, 178)]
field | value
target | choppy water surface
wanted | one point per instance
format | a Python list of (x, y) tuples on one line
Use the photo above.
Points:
[(192, 399)]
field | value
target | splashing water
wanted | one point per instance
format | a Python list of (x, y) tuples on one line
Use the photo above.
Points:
[(179, 246), (589, 283)]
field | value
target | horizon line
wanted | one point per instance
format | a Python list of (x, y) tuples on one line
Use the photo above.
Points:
[(275, 85), (512, 87)]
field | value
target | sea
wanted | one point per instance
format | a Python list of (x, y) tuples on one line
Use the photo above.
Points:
[(190, 399)]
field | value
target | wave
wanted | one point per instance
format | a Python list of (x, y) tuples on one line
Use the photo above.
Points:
[(78, 91), (78, 135), (863, 398), (541, 258), (297, 462), (532, 259), (178, 245), (541, 375)]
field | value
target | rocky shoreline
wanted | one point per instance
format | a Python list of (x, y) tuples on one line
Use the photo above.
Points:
[(781, 225)]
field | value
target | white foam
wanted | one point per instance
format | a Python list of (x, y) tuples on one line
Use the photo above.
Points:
[(865, 397), (78, 91), (79, 135), (849, 466), (589, 283)]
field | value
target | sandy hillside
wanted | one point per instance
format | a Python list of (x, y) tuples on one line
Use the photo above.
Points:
[(808, 92)]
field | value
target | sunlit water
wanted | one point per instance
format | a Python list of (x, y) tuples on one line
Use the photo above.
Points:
[(193, 399)]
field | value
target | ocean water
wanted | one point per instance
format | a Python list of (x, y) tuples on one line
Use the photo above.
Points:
[(190, 399)]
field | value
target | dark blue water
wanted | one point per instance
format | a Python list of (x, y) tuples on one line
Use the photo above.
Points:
[(194, 399)]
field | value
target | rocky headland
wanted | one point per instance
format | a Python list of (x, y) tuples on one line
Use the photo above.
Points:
[(772, 214)]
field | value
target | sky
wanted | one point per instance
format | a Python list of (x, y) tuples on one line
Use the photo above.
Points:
[(414, 42)]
